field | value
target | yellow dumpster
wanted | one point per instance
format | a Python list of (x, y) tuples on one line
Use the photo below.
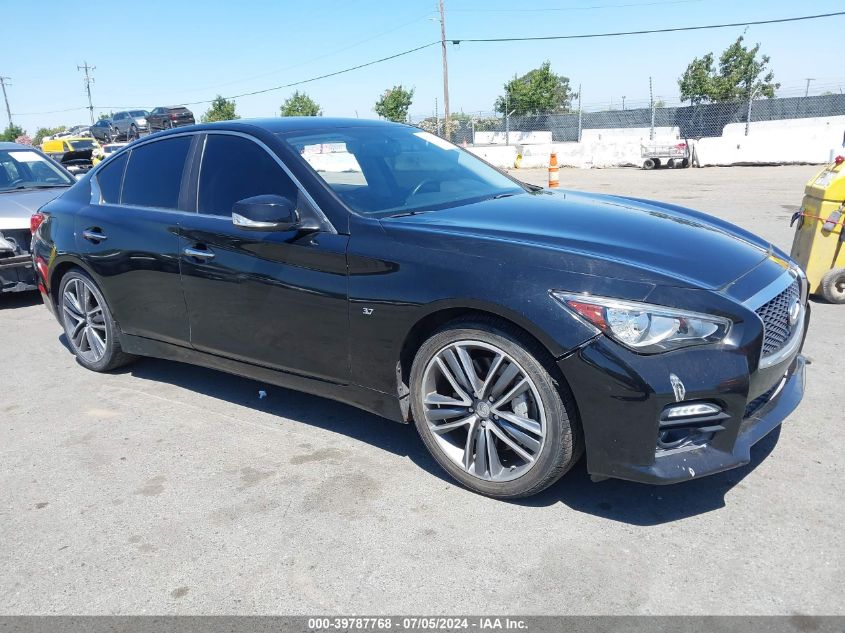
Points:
[(818, 244)]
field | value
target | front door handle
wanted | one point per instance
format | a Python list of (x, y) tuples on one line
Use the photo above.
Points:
[(94, 235), (199, 253)]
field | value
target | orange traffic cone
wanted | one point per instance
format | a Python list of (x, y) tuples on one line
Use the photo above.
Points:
[(554, 176)]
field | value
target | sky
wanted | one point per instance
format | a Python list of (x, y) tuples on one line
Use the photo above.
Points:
[(154, 52)]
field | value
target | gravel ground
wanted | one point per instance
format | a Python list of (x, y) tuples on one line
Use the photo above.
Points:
[(166, 488)]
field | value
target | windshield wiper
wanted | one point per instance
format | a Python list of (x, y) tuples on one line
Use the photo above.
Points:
[(405, 214)]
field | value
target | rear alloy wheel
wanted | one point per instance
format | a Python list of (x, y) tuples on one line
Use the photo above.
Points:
[(833, 285), (90, 329), (490, 413)]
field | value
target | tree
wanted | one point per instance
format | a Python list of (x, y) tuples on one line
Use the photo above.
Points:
[(106, 116), (300, 104), (220, 110), (538, 91), (740, 75), (11, 133), (395, 103), (43, 132)]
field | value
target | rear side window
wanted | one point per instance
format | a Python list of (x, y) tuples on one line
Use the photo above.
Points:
[(154, 174), (234, 168), (109, 178)]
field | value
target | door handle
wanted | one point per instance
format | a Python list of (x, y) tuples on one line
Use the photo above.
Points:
[(199, 253), (94, 235)]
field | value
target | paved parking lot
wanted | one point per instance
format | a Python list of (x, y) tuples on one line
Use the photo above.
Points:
[(165, 488)]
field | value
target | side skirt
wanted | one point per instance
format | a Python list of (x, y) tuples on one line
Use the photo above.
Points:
[(381, 404)]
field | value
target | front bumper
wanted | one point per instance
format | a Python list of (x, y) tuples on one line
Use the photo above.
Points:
[(621, 396), (17, 274)]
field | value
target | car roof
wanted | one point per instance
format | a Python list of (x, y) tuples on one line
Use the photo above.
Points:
[(294, 124), (8, 145)]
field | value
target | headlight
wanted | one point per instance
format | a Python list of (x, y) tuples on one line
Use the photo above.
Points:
[(643, 327)]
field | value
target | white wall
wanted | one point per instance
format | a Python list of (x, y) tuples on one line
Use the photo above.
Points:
[(769, 142)]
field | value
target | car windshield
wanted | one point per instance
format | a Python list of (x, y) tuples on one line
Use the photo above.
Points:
[(27, 169), (396, 170), (138, 113), (80, 146)]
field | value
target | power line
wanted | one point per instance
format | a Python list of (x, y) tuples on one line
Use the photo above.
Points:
[(649, 31)]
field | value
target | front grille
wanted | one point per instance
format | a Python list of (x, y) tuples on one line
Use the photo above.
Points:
[(775, 316)]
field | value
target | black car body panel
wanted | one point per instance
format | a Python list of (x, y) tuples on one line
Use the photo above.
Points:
[(339, 312)]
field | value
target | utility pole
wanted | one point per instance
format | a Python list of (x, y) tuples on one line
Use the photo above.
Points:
[(445, 69), (623, 103), (3, 83), (88, 80), (807, 91), (651, 106)]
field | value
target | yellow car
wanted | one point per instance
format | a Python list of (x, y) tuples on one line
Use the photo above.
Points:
[(76, 154)]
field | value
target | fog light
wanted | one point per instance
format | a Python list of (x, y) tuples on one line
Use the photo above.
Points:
[(691, 410)]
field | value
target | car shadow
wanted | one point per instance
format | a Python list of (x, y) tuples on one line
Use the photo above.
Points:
[(14, 300), (614, 499)]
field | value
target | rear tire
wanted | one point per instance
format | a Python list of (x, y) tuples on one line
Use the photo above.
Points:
[(833, 285), (649, 164), (91, 331), (495, 444)]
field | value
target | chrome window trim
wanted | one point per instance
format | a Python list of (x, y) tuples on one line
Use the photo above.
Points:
[(772, 290), (327, 226)]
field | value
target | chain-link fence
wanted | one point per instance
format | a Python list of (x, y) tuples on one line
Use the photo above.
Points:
[(692, 122)]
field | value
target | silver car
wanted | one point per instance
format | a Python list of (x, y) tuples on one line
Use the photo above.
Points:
[(28, 180), (129, 124)]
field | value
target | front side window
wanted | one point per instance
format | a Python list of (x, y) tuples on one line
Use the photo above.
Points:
[(154, 174), (234, 168), (26, 169), (396, 169)]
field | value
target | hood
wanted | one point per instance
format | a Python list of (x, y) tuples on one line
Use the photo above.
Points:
[(679, 245), (17, 206)]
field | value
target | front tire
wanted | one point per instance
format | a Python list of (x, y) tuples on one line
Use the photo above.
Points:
[(89, 326), (490, 412)]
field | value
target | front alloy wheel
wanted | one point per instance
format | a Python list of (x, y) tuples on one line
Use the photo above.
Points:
[(484, 410), (490, 412)]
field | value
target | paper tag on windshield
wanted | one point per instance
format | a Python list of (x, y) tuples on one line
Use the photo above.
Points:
[(434, 140), (26, 157)]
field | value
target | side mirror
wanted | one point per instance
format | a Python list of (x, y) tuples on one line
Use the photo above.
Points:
[(266, 213)]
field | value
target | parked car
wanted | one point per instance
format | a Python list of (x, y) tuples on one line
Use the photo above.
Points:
[(80, 131), (74, 153), (103, 131), (167, 117), (379, 265), (28, 179), (129, 123)]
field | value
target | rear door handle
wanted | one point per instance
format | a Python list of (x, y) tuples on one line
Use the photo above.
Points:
[(199, 253), (94, 235)]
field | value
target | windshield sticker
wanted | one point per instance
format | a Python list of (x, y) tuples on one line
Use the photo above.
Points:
[(435, 140), (26, 157)]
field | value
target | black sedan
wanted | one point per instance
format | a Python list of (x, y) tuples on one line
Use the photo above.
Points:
[(381, 266)]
